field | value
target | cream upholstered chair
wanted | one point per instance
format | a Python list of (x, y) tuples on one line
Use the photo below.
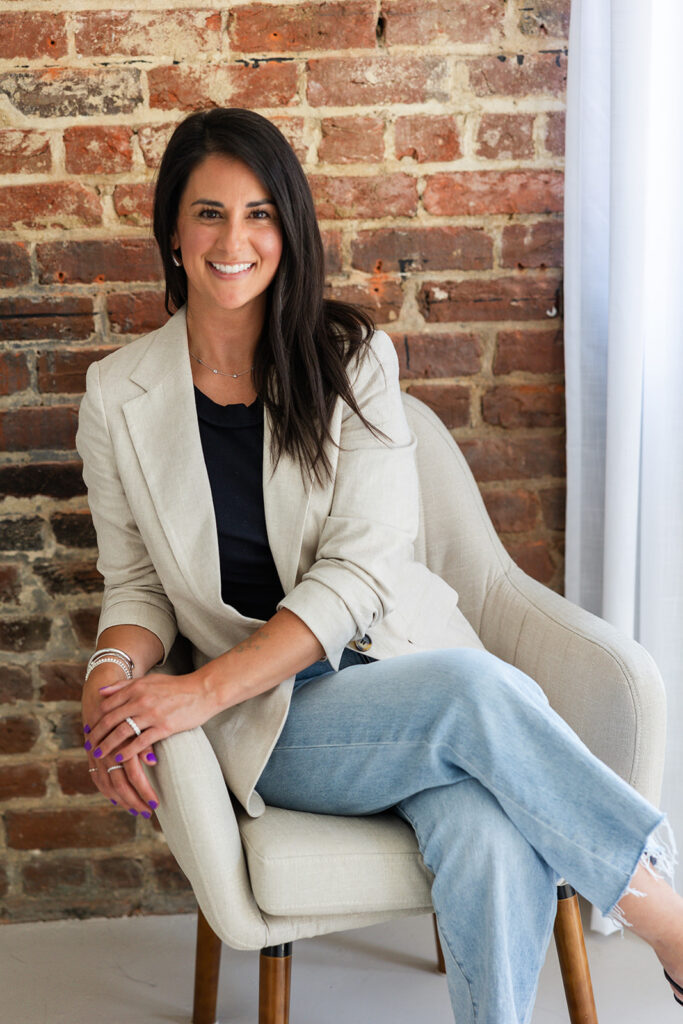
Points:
[(262, 883)]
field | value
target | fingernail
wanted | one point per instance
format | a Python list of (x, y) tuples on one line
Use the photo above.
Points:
[(119, 758), (88, 745), (114, 803), (105, 687), (146, 814), (131, 810), (86, 729), (97, 753), (153, 804), (151, 758)]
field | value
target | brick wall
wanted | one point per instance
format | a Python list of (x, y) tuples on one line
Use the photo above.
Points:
[(432, 131)]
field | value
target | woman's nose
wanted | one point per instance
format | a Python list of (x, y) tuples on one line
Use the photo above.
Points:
[(233, 233)]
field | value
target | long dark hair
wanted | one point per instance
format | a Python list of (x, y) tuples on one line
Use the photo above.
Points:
[(307, 341)]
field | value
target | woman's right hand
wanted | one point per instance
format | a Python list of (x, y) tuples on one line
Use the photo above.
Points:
[(125, 786)]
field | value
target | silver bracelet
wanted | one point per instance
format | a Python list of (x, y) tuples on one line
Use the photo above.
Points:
[(114, 660), (99, 654)]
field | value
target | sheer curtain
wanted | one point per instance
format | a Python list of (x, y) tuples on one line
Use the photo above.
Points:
[(624, 334)]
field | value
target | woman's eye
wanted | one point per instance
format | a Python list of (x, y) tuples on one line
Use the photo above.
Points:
[(208, 213), (260, 214)]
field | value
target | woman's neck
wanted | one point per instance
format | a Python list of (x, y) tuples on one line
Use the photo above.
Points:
[(226, 341)]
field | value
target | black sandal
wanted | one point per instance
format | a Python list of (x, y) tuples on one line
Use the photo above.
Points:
[(678, 988)]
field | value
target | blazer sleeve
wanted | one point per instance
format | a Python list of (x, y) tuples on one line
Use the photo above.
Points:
[(372, 524), (133, 594)]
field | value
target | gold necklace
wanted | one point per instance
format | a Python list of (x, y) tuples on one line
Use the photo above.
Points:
[(221, 373)]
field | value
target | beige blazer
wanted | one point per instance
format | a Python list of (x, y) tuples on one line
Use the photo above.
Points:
[(343, 550)]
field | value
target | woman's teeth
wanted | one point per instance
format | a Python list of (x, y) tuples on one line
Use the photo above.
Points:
[(231, 268)]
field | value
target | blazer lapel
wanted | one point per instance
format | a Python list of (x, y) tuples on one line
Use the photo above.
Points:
[(163, 427)]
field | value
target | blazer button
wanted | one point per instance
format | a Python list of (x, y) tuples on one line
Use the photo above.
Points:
[(364, 644)]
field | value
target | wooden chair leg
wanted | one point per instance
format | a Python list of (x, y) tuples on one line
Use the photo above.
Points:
[(275, 973), (571, 950), (206, 971), (440, 962)]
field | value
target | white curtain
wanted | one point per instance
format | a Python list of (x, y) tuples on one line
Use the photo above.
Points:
[(624, 334)]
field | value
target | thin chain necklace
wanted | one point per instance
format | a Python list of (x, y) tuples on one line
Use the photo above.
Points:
[(221, 373)]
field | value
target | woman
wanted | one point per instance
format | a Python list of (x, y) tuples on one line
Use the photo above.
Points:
[(251, 478)]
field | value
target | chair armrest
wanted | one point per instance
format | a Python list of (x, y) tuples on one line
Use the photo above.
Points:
[(198, 820), (605, 685)]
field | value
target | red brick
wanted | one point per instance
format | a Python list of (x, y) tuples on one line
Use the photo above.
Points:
[(73, 92), (257, 83), (544, 18), (59, 204), (533, 557), (352, 81), (21, 533), (84, 622), (332, 242), (294, 130), (95, 260), (533, 245), (67, 730), (515, 458), (553, 502), (529, 352), (64, 829), (56, 479), (505, 298), (119, 872), (169, 33), (133, 203), (62, 680), (63, 371), (167, 874), (137, 312), (524, 405), (74, 777), (348, 139), (67, 318), (29, 634), (450, 402), (416, 249), (67, 577), (10, 585), (437, 355), (513, 511), (98, 150), (505, 137), (270, 83), (15, 264), (74, 529), (443, 21), (14, 373), (15, 684), (53, 875), (486, 192), (153, 139), (52, 427), (263, 28), (18, 734), (381, 299), (22, 780), (519, 75), (24, 152), (555, 132), (32, 34), (355, 197), (427, 137)]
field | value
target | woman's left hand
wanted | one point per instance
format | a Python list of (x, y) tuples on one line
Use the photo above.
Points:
[(160, 705)]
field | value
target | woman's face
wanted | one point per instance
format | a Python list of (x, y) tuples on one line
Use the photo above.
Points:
[(230, 237)]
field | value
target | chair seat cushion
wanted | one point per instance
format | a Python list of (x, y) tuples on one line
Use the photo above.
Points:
[(302, 863)]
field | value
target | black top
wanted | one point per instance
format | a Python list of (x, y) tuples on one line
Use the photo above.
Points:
[(232, 442)]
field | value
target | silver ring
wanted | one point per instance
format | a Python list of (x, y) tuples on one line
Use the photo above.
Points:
[(114, 767), (134, 726), (93, 769)]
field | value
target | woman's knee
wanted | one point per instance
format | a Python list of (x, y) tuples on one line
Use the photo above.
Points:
[(484, 674)]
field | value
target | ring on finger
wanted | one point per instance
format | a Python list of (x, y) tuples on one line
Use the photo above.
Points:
[(134, 725), (113, 768)]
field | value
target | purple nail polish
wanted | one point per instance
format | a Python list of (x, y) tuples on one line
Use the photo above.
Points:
[(114, 803), (86, 729), (153, 804), (119, 758), (97, 753), (151, 758), (146, 814), (88, 745), (131, 810)]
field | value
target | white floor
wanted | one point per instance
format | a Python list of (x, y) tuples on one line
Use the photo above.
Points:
[(139, 971)]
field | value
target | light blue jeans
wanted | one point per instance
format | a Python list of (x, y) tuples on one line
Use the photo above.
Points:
[(503, 797)]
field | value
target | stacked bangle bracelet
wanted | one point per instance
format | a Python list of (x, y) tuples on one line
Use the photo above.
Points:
[(115, 656)]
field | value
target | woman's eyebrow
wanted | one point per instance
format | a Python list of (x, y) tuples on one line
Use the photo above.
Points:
[(214, 202)]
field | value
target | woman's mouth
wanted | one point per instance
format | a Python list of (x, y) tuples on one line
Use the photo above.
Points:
[(230, 268)]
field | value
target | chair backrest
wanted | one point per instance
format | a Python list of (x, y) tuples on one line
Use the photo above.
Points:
[(456, 538)]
